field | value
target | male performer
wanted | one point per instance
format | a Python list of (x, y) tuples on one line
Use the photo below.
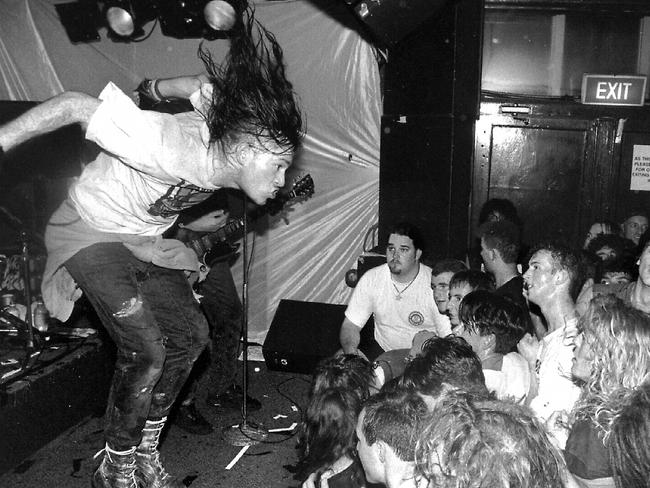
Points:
[(106, 236), (218, 295), (398, 295)]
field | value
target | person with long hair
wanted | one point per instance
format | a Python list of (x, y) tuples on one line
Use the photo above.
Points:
[(106, 239), (611, 359), (473, 441), (328, 439), (599, 227), (629, 440), (327, 442)]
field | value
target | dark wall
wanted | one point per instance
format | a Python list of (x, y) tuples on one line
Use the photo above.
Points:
[(34, 178), (431, 97)]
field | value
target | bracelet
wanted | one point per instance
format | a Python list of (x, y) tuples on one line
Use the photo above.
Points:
[(156, 92), (148, 88)]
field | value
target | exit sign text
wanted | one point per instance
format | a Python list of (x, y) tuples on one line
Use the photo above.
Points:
[(628, 90)]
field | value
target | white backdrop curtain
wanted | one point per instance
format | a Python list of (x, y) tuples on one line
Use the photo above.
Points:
[(336, 77)]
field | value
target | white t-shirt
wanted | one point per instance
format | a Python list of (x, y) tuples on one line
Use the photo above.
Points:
[(556, 391), (396, 321), (512, 382), (153, 165)]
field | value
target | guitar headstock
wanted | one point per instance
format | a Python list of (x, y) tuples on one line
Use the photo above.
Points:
[(303, 187)]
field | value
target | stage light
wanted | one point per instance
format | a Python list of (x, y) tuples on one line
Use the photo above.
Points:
[(120, 18), (80, 20), (187, 18), (208, 19), (219, 15), (126, 18)]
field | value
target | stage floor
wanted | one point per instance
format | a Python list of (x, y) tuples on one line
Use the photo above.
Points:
[(199, 461)]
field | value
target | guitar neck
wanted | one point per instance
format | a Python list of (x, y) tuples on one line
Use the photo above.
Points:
[(222, 233), (206, 242)]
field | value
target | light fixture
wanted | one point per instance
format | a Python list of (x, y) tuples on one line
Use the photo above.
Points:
[(186, 19), (209, 19), (126, 18), (120, 18), (219, 15)]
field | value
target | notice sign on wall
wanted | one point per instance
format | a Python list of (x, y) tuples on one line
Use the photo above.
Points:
[(640, 179)]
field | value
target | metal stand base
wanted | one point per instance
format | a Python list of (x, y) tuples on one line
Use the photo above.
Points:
[(246, 434)]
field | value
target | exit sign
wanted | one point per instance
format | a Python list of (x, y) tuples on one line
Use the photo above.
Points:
[(627, 90)]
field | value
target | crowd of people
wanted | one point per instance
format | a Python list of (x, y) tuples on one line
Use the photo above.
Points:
[(510, 367), (523, 367)]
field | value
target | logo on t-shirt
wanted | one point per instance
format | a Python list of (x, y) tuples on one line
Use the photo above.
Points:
[(416, 319), (177, 198)]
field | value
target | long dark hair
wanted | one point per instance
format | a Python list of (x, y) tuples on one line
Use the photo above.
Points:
[(328, 429), (251, 92)]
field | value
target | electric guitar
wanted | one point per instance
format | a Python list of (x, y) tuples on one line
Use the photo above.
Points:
[(216, 246)]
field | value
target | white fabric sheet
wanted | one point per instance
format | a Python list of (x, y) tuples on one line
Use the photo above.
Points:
[(336, 77)]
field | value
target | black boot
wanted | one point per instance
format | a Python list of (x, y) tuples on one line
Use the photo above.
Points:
[(149, 470), (117, 470), (231, 399), (190, 420)]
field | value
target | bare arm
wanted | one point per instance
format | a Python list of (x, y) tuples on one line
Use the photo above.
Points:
[(166, 89), (181, 86), (208, 222), (59, 111), (350, 337)]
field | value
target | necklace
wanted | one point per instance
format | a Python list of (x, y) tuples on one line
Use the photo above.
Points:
[(399, 293)]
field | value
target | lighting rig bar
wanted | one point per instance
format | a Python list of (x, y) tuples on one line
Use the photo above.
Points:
[(126, 19)]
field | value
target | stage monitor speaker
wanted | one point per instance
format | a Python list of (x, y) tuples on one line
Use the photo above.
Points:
[(304, 333), (392, 20)]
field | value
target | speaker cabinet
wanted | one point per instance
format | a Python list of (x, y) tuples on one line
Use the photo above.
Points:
[(303, 333)]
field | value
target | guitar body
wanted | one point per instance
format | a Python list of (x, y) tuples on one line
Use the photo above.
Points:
[(221, 251), (216, 247)]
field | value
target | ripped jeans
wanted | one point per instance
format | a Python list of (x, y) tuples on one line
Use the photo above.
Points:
[(157, 326)]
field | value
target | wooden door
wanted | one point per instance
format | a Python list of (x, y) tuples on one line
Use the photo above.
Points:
[(562, 165)]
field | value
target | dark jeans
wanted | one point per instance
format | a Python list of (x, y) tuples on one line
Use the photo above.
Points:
[(157, 326), (223, 309)]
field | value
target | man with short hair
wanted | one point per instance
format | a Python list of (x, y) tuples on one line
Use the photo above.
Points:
[(634, 225), (499, 251), (493, 325), (636, 293), (551, 278), (443, 361), (387, 430), (500, 248), (460, 285), (398, 296), (441, 273)]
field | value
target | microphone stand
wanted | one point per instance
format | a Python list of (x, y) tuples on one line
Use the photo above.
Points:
[(247, 433), (24, 254), (31, 351)]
